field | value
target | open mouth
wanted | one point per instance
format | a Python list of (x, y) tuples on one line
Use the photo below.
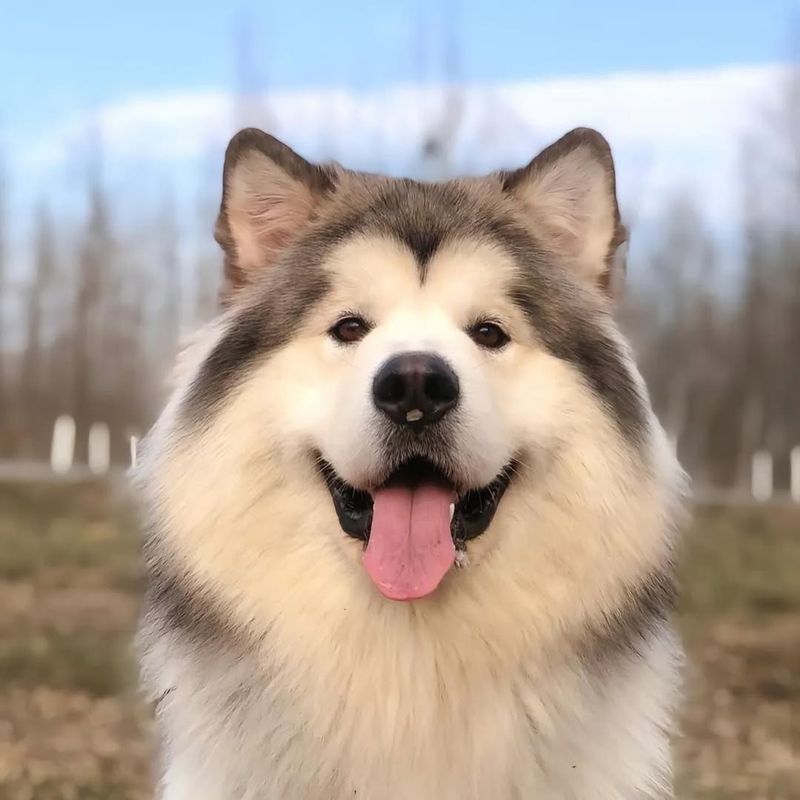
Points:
[(413, 524)]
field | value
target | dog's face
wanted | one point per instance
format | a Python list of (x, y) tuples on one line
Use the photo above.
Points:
[(405, 352)]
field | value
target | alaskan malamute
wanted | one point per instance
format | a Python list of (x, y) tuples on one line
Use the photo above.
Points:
[(410, 518)]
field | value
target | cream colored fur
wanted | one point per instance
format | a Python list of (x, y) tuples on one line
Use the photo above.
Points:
[(570, 201), (266, 208), (475, 692)]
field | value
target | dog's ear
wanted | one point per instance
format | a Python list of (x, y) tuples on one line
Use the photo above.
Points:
[(569, 191), (269, 193)]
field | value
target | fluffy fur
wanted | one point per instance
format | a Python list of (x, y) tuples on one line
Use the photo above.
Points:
[(543, 666)]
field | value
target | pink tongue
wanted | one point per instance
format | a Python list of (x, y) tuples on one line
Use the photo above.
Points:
[(410, 547)]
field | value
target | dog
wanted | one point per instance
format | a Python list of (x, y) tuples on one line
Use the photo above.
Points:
[(410, 521)]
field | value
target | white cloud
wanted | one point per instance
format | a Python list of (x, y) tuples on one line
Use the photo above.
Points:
[(668, 130)]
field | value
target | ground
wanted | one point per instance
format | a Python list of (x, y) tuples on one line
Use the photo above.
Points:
[(71, 727)]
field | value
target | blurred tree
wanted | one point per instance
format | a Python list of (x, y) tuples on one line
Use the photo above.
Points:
[(33, 388), (678, 328), (769, 331), (170, 268), (206, 258), (4, 433), (93, 270), (717, 336)]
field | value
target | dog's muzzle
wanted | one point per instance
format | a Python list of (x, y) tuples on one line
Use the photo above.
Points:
[(413, 524)]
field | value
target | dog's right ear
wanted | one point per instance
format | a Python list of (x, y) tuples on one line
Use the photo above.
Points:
[(269, 193)]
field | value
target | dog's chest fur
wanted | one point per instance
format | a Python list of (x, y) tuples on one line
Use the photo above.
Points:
[(409, 717)]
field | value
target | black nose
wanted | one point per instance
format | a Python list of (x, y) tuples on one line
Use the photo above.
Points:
[(415, 388)]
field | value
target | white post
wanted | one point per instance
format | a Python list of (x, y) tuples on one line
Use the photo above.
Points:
[(99, 448), (134, 444), (62, 450), (794, 466), (761, 486)]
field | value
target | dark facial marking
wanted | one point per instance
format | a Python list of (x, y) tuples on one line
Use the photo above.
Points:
[(569, 326), (627, 629), (175, 603), (174, 606), (268, 323), (572, 334), (416, 214), (423, 244), (421, 216), (424, 216)]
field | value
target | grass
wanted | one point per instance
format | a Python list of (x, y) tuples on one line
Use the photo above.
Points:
[(49, 532), (71, 727), (743, 562), (740, 618), (95, 663)]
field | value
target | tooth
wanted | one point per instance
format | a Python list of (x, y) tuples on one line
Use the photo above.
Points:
[(414, 415), (452, 511)]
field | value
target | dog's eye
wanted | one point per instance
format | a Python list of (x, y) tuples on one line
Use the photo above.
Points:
[(349, 330), (489, 335)]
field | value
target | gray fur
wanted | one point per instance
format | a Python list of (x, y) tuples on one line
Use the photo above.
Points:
[(423, 217), (543, 665)]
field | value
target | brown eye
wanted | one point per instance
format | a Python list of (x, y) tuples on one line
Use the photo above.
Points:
[(349, 330), (489, 335)]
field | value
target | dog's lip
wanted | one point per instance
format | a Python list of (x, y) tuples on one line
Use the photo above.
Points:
[(472, 513)]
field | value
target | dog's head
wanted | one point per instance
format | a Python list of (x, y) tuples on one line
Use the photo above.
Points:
[(402, 354)]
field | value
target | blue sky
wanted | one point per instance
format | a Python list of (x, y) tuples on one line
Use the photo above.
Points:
[(675, 86), (57, 57)]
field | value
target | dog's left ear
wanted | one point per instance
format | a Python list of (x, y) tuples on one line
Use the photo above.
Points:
[(269, 193), (569, 191)]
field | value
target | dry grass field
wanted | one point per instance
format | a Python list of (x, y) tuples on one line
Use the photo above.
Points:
[(71, 727)]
